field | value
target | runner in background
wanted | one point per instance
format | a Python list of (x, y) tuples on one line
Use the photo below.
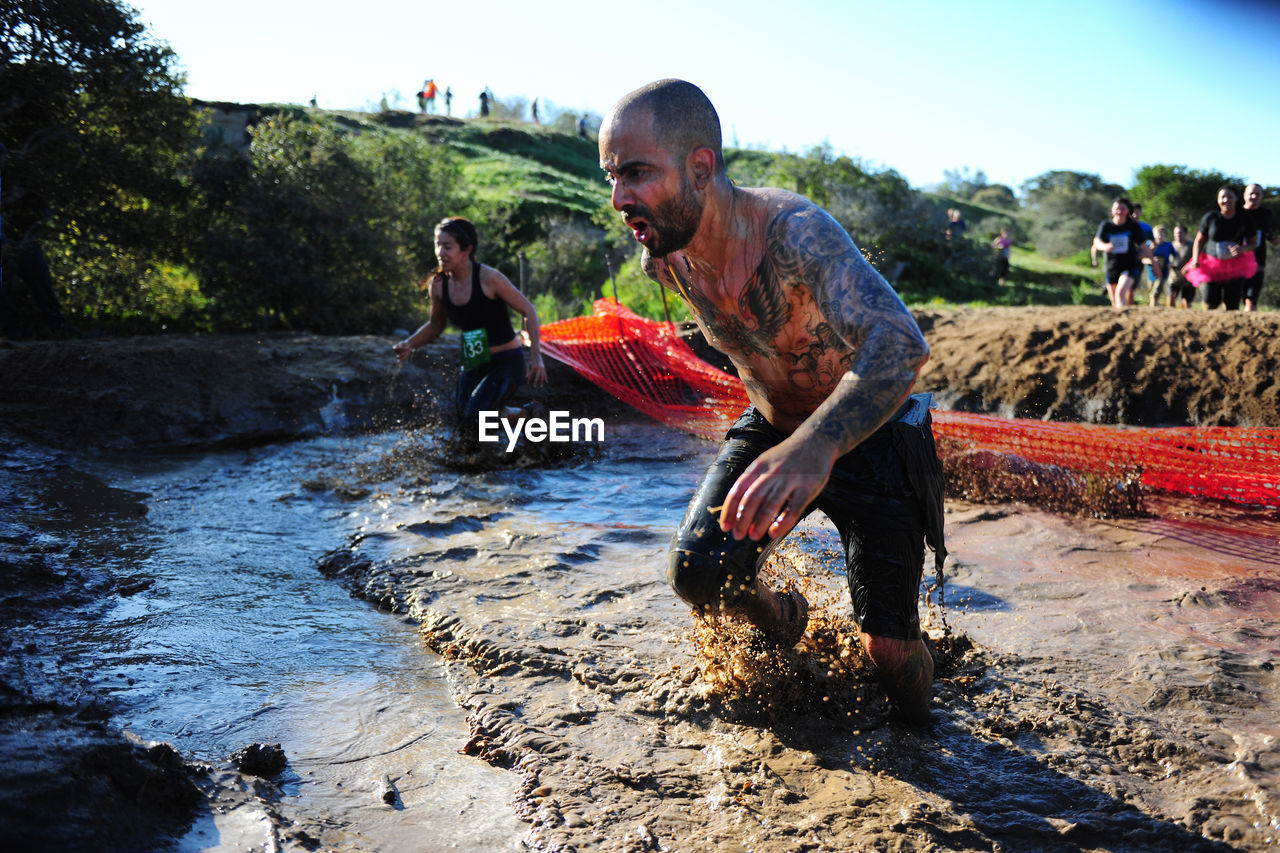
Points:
[(476, 298)]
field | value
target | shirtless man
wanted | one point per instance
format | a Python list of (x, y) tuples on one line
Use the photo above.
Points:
[(828, 354)]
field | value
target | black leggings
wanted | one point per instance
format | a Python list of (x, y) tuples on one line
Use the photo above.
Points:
[(1225, 293), (884, 497)]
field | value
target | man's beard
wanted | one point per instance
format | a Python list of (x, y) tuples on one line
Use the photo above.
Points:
[(673, 222)]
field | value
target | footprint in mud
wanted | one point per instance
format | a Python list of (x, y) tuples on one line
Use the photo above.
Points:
[(631, 536), (457, 524)]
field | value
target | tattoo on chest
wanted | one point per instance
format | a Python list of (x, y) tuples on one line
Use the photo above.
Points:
[(749, 325)]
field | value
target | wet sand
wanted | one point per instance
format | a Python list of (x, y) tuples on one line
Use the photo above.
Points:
[(1096, 690), (1102, 685)]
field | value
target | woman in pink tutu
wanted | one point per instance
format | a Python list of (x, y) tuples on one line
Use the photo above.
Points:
[(1222, 254)]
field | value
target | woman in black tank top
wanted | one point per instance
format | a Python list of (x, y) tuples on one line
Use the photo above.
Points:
[(476, 299)]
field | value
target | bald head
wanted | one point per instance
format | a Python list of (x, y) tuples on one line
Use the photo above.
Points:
[(1253, 196), (683, 117)]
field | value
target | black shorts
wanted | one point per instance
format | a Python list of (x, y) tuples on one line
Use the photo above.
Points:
[(884, 497), (1114, 273), (1183, 289), (1224, 293)]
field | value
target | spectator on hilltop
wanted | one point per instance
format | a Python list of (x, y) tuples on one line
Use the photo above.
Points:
[(1263, 232), (484, 102), (956, 226), (427, 96), (582, 127), (1181, 291), (1002, 244), (1222, 258), (448, 100), (535, 111), (1122, 241)]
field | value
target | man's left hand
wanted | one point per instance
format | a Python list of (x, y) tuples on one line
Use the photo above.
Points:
[(772, 494)]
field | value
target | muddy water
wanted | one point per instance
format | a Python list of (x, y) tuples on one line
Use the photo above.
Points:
[(1103, 685), (221, 633)]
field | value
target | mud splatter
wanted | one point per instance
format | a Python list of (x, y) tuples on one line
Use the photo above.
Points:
[(635, 726)]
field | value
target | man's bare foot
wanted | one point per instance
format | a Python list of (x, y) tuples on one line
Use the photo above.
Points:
[(905, 670), (782, 616)]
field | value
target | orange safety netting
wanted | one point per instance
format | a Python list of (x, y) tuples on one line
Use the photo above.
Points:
[(646, 365)]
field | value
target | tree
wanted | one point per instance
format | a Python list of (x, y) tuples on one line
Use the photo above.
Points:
[(1065, 208), (996, 195), (1060, 180), (962, 183), (94, 121), (317, 229), (1176, 195)]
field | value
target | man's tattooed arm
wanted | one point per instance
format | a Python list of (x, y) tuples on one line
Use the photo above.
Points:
[(887, 349)]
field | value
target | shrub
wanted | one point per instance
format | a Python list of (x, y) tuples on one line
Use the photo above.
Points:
[(570, 260), (311, 229), (996, 195), (1066, 220)]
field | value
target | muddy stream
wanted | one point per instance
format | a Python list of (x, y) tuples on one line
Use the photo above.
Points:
[(501, 645)]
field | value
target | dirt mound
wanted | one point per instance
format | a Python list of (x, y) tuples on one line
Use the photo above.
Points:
[(1142, 367), (1146, 367)]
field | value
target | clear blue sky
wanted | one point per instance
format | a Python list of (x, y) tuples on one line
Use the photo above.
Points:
[(1012, 88)]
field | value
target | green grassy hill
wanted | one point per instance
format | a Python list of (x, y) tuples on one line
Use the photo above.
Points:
[(546, 172), (1034, 279)]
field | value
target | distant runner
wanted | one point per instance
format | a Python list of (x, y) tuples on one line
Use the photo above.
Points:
[(1123, 242), (828, 354)]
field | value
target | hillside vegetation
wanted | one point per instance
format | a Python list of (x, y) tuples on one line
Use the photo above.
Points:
[(151, 220), (324, 223)]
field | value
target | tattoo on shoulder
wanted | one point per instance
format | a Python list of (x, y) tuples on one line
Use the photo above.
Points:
[(811, 247)]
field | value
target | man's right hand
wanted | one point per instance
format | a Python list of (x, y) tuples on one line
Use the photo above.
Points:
[(771, 495)]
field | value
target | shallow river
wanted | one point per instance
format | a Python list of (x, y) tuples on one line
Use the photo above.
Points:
[(1104, 685)]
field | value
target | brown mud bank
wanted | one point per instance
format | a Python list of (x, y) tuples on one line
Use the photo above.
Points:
[(633, 729), (1141, 367), (170, 392)]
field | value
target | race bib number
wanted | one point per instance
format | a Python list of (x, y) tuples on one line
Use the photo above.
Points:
[(1119, 244), (1222, 249), (475, 348)]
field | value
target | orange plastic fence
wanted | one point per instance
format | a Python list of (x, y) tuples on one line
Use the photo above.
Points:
[(646, 365)]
